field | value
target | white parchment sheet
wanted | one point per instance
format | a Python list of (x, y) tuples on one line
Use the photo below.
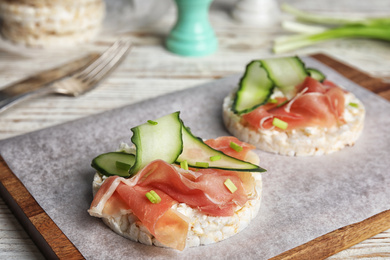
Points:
[(303, 198)]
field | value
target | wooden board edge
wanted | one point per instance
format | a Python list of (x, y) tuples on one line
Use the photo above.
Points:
[(54, 244), (338, 240), (41, 228), (361, 78)]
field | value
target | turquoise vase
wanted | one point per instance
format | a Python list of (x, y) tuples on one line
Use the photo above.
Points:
[(192, 34)]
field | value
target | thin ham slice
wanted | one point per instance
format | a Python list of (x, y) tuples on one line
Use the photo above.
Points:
[(118, 195), (204, 190), (316, 104), (223, 144)]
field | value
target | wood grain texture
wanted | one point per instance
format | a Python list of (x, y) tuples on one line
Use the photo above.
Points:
[(150, 71), (338, 240), (361, 78), (46, 234)]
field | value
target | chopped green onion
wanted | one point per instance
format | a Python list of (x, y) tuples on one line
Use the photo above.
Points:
[(235, 147), (202, 164), (230, 185), (279, 123), (215, 158), (184, 165), (153, 197), (281, 104), (272, 100), (354, 104), (152, 122), (122, 165)]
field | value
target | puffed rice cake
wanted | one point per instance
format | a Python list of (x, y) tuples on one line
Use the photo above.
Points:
[(47, 23), (203, 229), (307, 141)]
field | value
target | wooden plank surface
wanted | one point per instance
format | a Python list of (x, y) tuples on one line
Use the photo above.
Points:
[(150, 71)]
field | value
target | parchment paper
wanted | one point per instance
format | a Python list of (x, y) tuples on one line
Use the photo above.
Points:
[(303, 198)]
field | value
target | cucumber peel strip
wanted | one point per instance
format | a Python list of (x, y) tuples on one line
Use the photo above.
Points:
[(195, 150), (106, 163), (261, 77), (171, 141), (157, 141), (250, 95), (316, 74)]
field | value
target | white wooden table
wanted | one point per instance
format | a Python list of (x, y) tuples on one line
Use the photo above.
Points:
[(150, 70)]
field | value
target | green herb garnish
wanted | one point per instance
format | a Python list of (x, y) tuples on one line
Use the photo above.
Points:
[(184, 165), (215, 158), (279, 123), (202, 164), (152, 122), (356, 105), (235, 147), (153, 197), (230, 185)]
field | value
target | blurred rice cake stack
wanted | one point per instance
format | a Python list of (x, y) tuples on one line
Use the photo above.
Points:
[(48, 23)]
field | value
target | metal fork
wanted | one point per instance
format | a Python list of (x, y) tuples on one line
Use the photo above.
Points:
[(77, 83)]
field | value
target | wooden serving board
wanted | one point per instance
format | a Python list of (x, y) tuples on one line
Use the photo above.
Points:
[(54, 244)]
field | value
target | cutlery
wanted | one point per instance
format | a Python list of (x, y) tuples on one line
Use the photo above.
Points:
[(67, 81)]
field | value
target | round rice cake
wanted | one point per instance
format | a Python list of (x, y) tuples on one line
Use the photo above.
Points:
[(41, 3), (51, 25), (203, 229), (307, 141), (46, 40)]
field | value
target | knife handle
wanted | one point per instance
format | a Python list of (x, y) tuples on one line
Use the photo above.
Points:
[(8, 101), (39, 84)]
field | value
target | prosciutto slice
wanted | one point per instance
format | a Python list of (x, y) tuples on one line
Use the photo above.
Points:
[(223, 144), (316, 104), (202, 189), (118, 195)]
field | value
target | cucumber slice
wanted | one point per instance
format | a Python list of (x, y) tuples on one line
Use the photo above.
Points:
[(316, 74), (195, 150), (107, 163), (169, 140), (286, 73), (262, 76), (255, 89), (157, 141)]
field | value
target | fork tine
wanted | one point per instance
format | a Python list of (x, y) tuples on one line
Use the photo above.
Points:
[(107, 55), (102, 61), (108, 66)]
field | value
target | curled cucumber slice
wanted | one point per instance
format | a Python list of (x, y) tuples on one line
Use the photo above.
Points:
[(197, 154), (157, 139), (255, 88), (261, 77), (113, 163), (316, 74), (169, 140)]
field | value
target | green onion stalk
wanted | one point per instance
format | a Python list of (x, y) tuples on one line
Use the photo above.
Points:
[(338, 27)]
